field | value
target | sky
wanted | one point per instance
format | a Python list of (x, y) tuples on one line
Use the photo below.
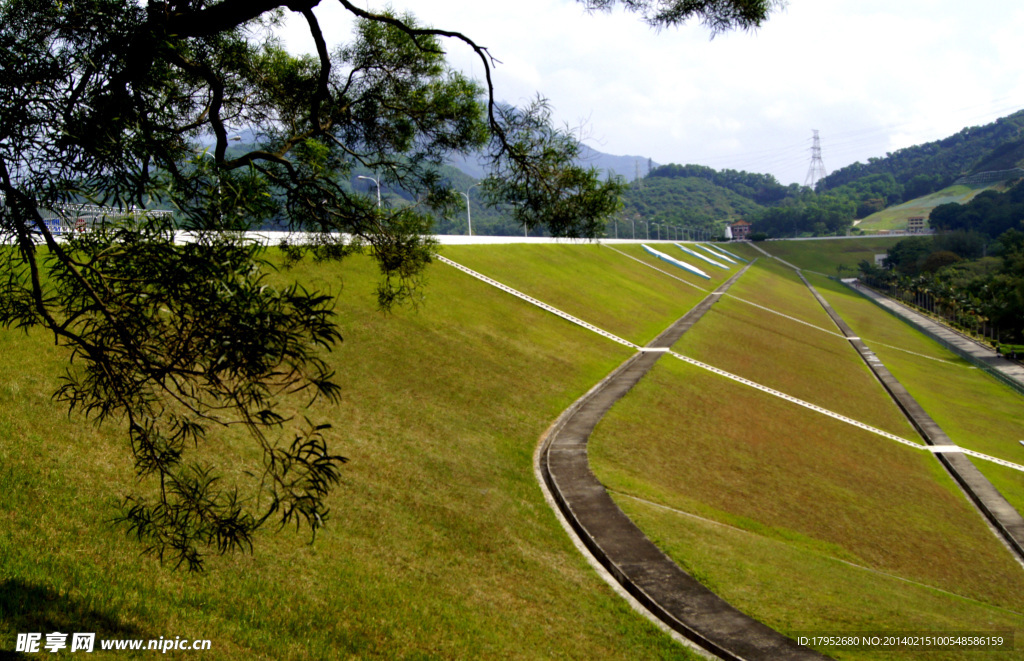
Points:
[(872, 76)]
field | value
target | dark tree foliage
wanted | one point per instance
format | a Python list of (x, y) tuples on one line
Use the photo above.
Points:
[(109, 101), (819, 215), (685, 202), (761, 188), (881, 187), (950, 276), (908, 255), (717, 15), (542, 181), (989, 213)]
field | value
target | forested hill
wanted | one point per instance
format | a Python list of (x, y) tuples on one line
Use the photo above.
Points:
[(925, 168), (689, 201)]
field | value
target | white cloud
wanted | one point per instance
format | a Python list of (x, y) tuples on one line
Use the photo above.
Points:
[(872, 75)]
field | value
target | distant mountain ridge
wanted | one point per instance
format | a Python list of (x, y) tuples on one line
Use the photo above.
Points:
[(624, 166), (929, 167)]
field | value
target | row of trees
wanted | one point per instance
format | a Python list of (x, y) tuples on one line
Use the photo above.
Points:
[(972, 271), (976, 284), (989, 213)]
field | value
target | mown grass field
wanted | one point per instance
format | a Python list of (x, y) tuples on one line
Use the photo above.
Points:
[(588, 281), (440, 544), (975, 410), (841, 530), (787, 355), (895, 218), (792, 586), (826, 256), (821, 505), (810, 495)]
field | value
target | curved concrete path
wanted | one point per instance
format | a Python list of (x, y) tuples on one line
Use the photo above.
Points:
[(999, 512), (650, 576)]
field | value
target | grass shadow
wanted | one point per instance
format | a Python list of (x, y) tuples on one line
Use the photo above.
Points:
[(29, 608)]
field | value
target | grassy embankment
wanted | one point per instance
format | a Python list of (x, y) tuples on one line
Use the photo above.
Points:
[(895, 218), (832, 528), (975, 410), (588, 281), (440, 544), (825, 256)]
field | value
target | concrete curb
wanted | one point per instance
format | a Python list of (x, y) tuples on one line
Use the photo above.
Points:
[(645, 572)]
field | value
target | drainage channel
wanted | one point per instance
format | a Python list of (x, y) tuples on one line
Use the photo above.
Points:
[(647, 574), (1007, 521), (649, 577)]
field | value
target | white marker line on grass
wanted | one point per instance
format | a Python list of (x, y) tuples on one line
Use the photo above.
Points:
[(721, 372), (652, 266), (796, 400), (540, 304), (776, 312)]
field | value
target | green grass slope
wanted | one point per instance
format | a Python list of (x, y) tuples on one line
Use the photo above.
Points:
[(975, 410), (594, 283), (440, 543), (895, 218), (828, 255), (805, 522), (821, 505), (781, 353)]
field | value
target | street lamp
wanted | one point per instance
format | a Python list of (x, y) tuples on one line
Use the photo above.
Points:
[(659, 231), (469, 217), (378, 187), (206, 152)]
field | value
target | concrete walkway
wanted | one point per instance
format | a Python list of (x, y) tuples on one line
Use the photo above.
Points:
[(650, 576), (1007, 521), (977, 353)]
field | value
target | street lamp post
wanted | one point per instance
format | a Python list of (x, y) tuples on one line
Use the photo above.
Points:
[(378, 187), (469, 216), (658, 227)]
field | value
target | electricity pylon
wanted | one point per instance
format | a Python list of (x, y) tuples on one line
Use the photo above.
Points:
[(817, 170)]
